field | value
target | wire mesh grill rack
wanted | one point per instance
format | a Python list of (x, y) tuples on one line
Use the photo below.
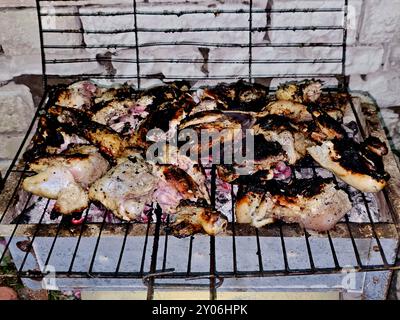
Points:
[(146, 251)]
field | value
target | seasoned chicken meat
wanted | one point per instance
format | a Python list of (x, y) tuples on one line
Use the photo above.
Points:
[(127, 188), (174, 185), (88, 128), (240, 95), (295, 111), (315, 204), (66, 176), (78, 95), (106, 139), (194, 217), (302, 91), (281, 130), (359, 165)]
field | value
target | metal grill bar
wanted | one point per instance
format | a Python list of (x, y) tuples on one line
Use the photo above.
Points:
[(213, 291), (189, 61), (259, 253), (188, 12), (309, 251), (53, 243), (96, 247), (353, 242), (121, 254), (19, 218), (189, 263), (183, 30), (250, 61), (136, 44), (195, 43), (378, 242), (284, 253), (334, 256), (164, 264), (153, 264), (12, 197), (234, 254), (30, 245), (71, 265), (145, 244), (182, 77)]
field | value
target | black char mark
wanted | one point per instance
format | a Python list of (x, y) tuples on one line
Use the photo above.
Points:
[(264, 149), (299, 187), (359, 159)]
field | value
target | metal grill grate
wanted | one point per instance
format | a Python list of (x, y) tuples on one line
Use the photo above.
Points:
[(145, 251)]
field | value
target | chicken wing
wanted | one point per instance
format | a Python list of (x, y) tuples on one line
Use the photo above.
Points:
[(66, 176)]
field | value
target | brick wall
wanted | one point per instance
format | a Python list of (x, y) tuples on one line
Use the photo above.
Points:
[(373, 55)]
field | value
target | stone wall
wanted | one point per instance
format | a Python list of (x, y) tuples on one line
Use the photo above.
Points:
[(373, 53)]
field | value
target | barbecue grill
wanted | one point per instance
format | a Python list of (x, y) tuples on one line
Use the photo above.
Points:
[(196, 44)]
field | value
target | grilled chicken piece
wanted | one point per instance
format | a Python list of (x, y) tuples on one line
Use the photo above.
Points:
[(130, 188), (122, 116), (280, 129), (335, 104), (294, 111), (175, 184), (50, 139), (171, 91), (115, 93), (86, 96), (359, 165), (324, 127), (66, 176), (267, 155), (230, 174), (171, 155), (313, 203), (302, 91), (218, 120), (127, 188), (298, 112), (107, 140), (79, 95), (234, 96), (309, 91), (194, 217), (166, 117)]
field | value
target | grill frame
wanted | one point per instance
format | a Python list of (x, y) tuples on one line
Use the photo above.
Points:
[(154, 231)]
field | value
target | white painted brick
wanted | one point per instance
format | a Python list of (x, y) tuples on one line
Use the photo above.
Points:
[(383, 86), (394, 56), (108, 23), (19, 31), (17, 3), (19, 64), (160, 21), (9, 146), (4, 164), (32, 3), (16, 108), (311, 19), (363, 60), (63, 23), (381, 21)]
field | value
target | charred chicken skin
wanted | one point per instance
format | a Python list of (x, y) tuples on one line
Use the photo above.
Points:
[(90, 146), (65, 177)]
